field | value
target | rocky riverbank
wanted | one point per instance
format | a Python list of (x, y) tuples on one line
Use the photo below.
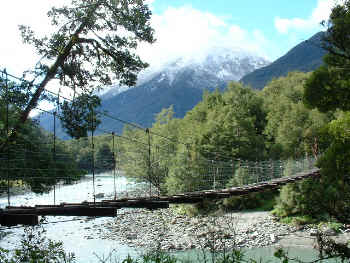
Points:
[(169, 231)]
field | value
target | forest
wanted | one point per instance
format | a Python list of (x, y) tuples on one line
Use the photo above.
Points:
[(301, 115), (36, 160), (238, 124)]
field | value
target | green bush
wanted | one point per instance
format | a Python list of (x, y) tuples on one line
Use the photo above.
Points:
[(35, 247), (259, 201), (302, 198), (298, 220)]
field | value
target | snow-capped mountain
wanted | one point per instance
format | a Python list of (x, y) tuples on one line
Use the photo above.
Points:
[(208, 71), (179, 83)]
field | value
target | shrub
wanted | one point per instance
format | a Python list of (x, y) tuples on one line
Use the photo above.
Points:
[(35, 247)]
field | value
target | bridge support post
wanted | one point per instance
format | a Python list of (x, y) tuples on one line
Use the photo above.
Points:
[(271, 167), (93, 153), (7, 138), (149, 162), (214, 173), (114, 167), (54, 156)]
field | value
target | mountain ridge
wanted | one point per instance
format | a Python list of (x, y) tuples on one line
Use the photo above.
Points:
[(306, 56), (180, 84)]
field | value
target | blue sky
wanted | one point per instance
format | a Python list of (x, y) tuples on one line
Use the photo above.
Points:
[(268, 27), (186, 27)]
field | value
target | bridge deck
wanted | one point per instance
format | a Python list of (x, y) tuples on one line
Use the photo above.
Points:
[(29, 215)]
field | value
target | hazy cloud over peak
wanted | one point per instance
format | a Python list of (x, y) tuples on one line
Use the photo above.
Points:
[(188, 32), (320, 13)]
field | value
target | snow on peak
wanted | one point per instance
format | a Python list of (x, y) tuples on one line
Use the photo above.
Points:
[(223, 63)]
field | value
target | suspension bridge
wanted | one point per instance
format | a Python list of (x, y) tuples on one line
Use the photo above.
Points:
[(207, 176)]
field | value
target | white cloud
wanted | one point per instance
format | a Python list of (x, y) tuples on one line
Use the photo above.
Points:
[(183, 31), (320, 13), (186, 31), (15, 55), (149, 2), (179, 31)]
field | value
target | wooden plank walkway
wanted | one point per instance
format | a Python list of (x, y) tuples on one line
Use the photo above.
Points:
[(198, 196), (29, 215)]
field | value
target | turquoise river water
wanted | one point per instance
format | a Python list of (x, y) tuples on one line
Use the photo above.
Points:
[(78, 235)]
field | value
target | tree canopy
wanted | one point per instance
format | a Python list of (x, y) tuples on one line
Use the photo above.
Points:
[(91, 47), (328, 87)]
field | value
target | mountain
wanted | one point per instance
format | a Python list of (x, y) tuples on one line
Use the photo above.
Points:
[(180, 83), (307, 56)]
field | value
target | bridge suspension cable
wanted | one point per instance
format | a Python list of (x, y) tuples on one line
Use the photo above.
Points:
[(219, 176)]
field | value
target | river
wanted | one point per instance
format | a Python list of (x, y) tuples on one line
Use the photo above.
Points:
[(79, 234)]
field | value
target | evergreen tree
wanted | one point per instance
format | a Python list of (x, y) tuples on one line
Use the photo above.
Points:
[(93, 42), (327, 89), (104, 158)]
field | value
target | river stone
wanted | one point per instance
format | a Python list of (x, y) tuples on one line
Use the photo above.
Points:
[(100, 195), (313, 232), (254, 235), (131, 236), (273, 238), (329, 232)]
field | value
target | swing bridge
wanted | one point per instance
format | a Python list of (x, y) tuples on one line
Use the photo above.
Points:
[(207, 176)]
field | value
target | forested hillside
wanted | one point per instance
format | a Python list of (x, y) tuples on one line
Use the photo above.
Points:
[(306, 56), (180, 83), (239, 123)]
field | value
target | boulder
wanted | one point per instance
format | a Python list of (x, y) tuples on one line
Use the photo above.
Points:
[(273, 238), (313, 232), (329, 232), (100, 195)]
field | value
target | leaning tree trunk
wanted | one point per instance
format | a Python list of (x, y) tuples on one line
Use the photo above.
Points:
[(49, 76)]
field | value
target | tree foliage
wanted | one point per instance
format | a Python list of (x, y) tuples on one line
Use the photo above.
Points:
[(230, 123), (328, 87), (93, 43), (105, 160), (32, 160), (292, 129), (80, 116)]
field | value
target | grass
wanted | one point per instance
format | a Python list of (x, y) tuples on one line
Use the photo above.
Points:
[(298, 220)]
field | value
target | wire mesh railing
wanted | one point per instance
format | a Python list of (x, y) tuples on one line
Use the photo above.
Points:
[(154, 163)]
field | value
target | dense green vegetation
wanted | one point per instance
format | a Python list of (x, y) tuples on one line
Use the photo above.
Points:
[(237, 124), (101, 158), (327, 90), (32, 160), (85, 52)]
